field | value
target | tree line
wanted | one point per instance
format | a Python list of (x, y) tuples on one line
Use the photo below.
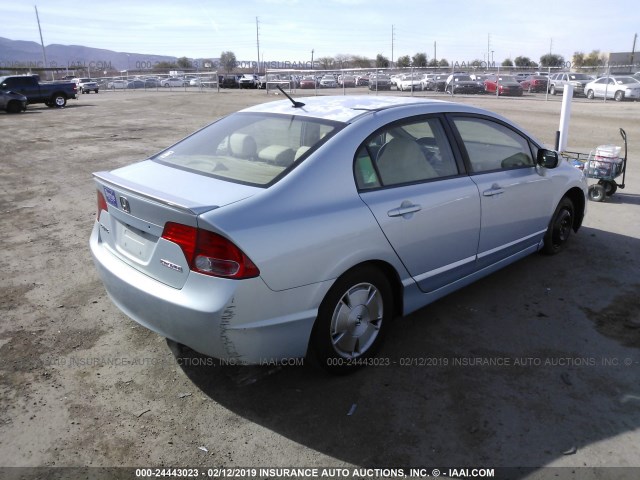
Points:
[(229, 62)]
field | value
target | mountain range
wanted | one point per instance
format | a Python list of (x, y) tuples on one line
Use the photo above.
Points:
[(15, 54)]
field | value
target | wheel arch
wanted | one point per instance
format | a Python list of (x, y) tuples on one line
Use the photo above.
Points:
[(13, 106), (59, 94), (576, 195), (391, 275), (320, 349)]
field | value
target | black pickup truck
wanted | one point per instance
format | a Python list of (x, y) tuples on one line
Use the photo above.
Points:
[(52, 94)]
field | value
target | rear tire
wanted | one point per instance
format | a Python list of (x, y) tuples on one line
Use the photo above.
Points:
[(559, 229), (352, 320), (58, 100)]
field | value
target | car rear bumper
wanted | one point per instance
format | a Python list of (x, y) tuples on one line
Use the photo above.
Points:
[(237, 320)]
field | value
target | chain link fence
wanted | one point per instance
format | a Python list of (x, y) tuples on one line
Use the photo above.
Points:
[(202, 82)]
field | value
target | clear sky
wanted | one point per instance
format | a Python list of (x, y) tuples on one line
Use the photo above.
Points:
[(288, 30)]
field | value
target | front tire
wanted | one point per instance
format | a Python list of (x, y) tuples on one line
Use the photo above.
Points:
[(619, 96), (552, 91), (14, 107), (559, 229), (352, 320), (590, 95)]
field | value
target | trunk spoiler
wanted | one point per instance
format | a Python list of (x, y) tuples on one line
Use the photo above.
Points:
[(177, 203)]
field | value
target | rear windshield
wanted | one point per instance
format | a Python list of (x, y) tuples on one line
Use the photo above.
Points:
[(250, 148)]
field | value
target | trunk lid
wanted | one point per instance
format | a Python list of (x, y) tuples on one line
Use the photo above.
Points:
[(142, 198)]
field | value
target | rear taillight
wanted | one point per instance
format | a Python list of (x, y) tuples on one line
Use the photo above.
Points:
[(102, 203), (210, 253)]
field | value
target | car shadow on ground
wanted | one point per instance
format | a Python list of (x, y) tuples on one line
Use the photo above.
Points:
[(628, 198), (532, 365), (43, 108)]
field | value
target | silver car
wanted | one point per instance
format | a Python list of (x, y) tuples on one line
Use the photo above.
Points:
[(284, 231), (86, 85), (172, 82), (619, 88), (557, 82), (328, 81)]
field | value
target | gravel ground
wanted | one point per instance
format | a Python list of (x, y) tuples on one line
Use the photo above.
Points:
[(534, 366)]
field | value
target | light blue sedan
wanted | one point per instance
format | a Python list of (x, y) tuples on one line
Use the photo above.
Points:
[(302, 228)]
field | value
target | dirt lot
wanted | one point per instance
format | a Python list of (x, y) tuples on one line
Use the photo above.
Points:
[(535, 366)]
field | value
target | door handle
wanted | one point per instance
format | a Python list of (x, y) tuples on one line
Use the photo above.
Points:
[(405, 208), (494, 190)]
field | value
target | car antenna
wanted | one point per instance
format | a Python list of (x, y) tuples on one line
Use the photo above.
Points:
[(295, 104)]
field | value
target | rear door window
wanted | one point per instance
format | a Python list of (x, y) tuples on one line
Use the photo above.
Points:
[(411, 152)]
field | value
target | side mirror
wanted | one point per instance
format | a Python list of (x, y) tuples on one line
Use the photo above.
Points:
[(547, 158)]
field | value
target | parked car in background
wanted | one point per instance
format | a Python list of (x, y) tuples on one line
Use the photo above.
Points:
[(504, 84), (437, 83), (479, 78), (12, 102), (535, 83), (521, 76), (117, 84), (379, 81), (409, 82), (557, 82), (362, 80), (308, 82), (248, 80), (463, 84), (424, 81), (328, 81), (171, 82), (273, 80), (151, 82), (347, 81), (52, 94), (229, 81), (229, 242), (86, 85), (186, 80), (203, 82), (617, 87), (135, 84)]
